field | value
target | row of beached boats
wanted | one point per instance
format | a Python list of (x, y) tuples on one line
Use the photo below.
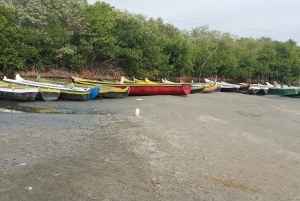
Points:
[(84, 89), (259, 89)]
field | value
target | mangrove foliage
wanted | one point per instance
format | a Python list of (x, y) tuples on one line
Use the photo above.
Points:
[(74, 35)]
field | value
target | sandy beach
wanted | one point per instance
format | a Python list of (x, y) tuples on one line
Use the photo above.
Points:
[(218, 146)]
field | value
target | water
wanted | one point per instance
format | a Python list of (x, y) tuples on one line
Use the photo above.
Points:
[(14, 107)]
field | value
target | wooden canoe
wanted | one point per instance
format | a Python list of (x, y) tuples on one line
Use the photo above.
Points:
[(43, 94), (211, 87), (114, 92), (196, 87), (105, 91), (66, 92), (94, 89), (9, 92), (136, 81)]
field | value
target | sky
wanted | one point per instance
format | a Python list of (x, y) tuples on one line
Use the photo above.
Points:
[(276, 19)]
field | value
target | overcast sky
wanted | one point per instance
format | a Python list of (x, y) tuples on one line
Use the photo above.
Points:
[(277, 19)]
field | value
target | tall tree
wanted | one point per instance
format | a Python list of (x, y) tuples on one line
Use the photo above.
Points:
[(286, 65), (101, 21), (10, 34), (205, 43), (247, 54)]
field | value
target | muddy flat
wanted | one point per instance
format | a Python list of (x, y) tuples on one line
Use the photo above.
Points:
[(218, 146)]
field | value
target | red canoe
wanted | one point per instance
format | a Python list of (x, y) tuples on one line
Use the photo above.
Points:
[(141, 90)]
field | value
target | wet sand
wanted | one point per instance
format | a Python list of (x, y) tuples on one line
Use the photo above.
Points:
[(218, 146)]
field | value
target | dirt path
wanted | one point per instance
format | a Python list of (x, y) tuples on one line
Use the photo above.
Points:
[(215, 146)]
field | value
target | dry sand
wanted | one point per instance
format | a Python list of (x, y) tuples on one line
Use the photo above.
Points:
[(218, 146)]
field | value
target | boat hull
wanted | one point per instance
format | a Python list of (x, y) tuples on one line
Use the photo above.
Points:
[(20, 96), (283, 91), (146, 90), (12, 92), (74, 96), (94, 89), (197, 89), (229, 89), (211, 88), (94, 92), (262, 92), (114, 92)]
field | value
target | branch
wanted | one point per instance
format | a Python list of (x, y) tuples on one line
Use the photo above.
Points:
[(209, 56)]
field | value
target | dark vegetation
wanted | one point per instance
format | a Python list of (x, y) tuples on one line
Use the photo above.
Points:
[(73, 36)]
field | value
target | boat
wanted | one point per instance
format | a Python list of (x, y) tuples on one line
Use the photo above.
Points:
[(211, 87), (114, 92), (196, 87), (227, 87), (105, 91), (66, 91), (125, 80), (256, 90), (224, 86), (43, 93), (149, 81), (143, 89), (283, 90), (244, 87), (94, 90), (159, 89), (136, 81), (18, 93)]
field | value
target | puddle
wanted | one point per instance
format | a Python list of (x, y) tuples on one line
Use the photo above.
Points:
[(25, 109), (5, 110), (13, 107)]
